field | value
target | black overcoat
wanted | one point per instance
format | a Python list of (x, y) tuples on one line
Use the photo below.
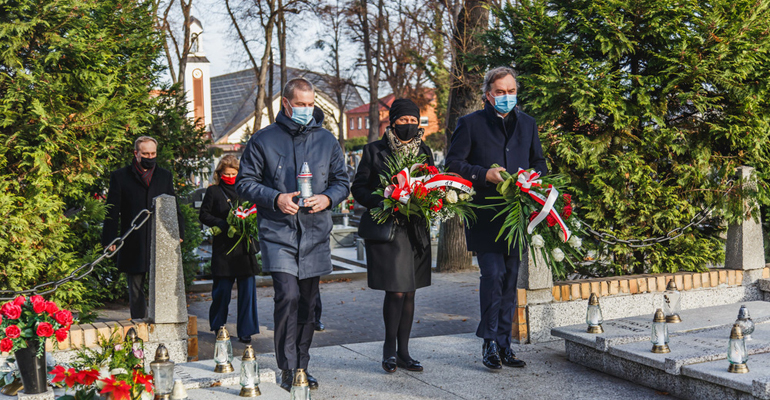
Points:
[(481, 139), (241, 262), (127, 196), (402, 265), (294, 244)]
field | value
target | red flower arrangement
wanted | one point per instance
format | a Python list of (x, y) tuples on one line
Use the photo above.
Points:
[(29, 321)]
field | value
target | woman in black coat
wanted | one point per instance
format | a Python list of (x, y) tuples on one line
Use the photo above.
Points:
[(401, 266), (239, 265)]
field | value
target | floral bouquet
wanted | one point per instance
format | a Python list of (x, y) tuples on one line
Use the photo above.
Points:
[(116, 369), (243, 222), (29, 322), (413, 188), (532, 204)]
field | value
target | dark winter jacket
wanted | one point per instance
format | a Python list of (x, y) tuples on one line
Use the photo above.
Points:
[(481, 139), (295, 244), (127, 196), (241, 261)]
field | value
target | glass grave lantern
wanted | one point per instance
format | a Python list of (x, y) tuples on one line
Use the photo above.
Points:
[(162, 374), (745, 322), (672, 304), (223, 352), (736, 352), (659, 334), (249, 374), (594, 315), (300, 389)]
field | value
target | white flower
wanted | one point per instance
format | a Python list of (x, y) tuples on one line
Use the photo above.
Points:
[(146, 396), (451, 196), (464, 196), (575, 241), (119, 371), (557, 254), (104, 373), (537, 241)]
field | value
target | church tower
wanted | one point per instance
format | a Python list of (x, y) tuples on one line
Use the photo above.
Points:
[(197, 82)]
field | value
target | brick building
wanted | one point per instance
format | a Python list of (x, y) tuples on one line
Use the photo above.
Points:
[(358, 118)]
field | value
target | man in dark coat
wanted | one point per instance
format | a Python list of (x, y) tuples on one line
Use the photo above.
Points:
[(132, 189), (498, 134), (294, 240)]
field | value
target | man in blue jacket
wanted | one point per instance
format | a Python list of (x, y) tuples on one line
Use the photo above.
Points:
[(294, 240), (498, 134)]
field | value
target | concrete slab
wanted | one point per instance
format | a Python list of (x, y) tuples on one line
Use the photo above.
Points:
[(754, 382), (200, 374)]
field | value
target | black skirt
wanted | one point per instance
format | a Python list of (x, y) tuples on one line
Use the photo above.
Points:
[(402, 265)]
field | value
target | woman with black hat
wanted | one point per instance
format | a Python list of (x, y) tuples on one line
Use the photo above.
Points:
[(401, 265)]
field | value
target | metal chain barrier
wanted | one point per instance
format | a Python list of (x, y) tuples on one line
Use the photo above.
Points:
[(85, 269), (611, 239)]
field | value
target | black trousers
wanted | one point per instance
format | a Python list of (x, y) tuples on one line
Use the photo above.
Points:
[(497, 296), (294, 317), (318, 308), (136, 298)]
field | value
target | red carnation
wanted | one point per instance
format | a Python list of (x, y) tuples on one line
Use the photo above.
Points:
[(6, 345), (551, 220), (63, 317), (433, 170), (567, 211), (19, 301), (51, 308), (567, 198), (533, 215), (12, 331), (420, 191), (61, 334), (438, 206), (11, 311)]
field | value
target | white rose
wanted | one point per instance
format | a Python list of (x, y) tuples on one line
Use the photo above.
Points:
[(451, 196), (575, 241), (557, 254), (464, 196), (537, 241)]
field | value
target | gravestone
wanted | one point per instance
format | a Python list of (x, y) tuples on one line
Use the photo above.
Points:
[(168, 304)]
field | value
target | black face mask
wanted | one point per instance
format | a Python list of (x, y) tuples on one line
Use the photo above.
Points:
[(147, 163), (406, 132)]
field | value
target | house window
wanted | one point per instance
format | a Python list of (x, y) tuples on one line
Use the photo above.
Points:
[(352, 123), (359, 123), (367, 123), (423, 121)]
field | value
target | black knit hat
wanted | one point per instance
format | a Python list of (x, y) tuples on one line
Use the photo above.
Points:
[(401, 107)]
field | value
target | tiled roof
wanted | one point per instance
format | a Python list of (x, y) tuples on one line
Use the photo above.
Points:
[(233, 96)]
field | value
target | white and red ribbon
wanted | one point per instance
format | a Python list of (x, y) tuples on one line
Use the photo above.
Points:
[(240, 213), (526, 180), (404, 184)]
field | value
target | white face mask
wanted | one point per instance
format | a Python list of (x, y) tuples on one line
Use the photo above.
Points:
[(301, 115)]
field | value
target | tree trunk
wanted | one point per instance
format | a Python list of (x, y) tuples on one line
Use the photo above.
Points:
[(464, 98)]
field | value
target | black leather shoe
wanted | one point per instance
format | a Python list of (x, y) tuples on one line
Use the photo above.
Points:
[(287, 378), (319, 326), (509, 359), (312, 383), (245, 339), (389, 365), (491, 355), (411, 365)]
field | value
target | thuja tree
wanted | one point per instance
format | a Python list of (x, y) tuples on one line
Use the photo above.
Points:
[(75, 77), (648, 106)]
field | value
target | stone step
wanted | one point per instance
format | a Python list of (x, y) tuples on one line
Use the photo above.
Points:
[(200, 374), (270, 391), (696, 367)]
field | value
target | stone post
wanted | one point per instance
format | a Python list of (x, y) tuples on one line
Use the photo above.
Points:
[(744, 248), (535, 276), (168, 304)]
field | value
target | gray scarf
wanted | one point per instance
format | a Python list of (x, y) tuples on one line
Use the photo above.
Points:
[(412, 146)]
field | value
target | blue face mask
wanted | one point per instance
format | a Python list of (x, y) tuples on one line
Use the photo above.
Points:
[(302, 115), (505, 103)]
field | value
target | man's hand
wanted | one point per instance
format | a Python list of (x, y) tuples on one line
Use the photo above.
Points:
[(493, 175), (318, 203), (112, 248), (286, 203)]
